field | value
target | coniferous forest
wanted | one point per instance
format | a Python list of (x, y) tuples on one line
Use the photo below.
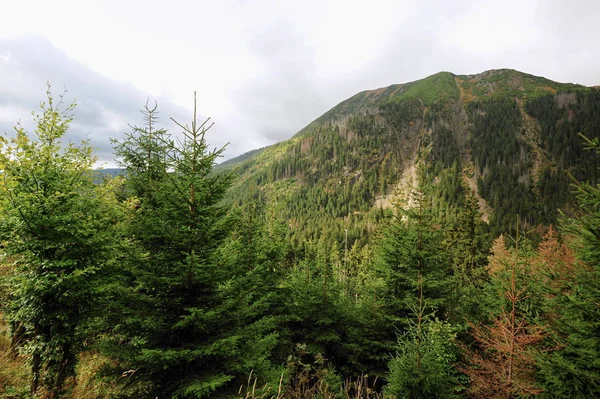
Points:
[(438, 239)]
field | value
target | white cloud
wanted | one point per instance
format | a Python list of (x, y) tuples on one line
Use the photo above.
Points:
[(10, 115), (492, 27), (6, 57), (265, 68)]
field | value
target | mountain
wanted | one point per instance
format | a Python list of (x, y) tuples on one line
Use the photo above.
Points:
[(110, 172), (509, 138)]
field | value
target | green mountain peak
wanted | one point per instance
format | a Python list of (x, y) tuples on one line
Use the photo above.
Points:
[(505, 136)]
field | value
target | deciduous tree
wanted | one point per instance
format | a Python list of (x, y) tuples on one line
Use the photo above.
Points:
[(57, 226)]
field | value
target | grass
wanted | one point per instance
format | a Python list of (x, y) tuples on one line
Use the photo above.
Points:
[(305, 389), (14, 370), (438, 87), (509, 83), (15, 374)]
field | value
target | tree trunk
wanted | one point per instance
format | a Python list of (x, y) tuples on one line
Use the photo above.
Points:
[(62, 373), (35, 372), (36, 365)]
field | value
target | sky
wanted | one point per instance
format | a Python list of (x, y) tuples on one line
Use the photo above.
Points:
[(264, 69)]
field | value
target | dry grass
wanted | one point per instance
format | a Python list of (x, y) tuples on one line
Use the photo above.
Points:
[(89, 386), (15, 374), (14, 370), (252, 391), (360, 388)]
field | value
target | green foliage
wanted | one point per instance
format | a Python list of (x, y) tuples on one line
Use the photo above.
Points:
[(498, 149), (317, 313), (468, 244), (411, 261), (423, 366), (337, 172), (58, 230), (435, 88), (574, 369), (330, 177), (195, 324), (511, 84), (562, 118), (254, 259), (299, 274)]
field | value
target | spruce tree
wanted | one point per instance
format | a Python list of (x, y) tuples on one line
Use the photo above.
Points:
[(417, 277), (369, 333), (411, 260), (317, 316), (253, 257), (467, 243), (574, 369), (423, 365), (182, 338)]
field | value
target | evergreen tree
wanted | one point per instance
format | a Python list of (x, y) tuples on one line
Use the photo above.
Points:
[(254, 258), (411, 260), (467, 243), (184, 337), (574, 369), (423, 366), (368, 339), (417, 295), (317, 311)]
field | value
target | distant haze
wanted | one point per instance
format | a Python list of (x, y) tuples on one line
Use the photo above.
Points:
[(265, 69)]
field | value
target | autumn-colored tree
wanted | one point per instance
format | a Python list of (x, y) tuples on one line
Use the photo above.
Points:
[(573, 371), (502, 363), (555, 259)]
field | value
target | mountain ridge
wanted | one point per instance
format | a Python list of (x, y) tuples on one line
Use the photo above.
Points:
[(470, 87), (506, 137)]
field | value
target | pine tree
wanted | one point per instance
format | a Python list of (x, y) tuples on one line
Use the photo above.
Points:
[(183, 338), (423, 366), (574, 369), (411, 260), (502, 359)]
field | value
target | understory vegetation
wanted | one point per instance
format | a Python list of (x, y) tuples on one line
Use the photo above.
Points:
[(159, 284)]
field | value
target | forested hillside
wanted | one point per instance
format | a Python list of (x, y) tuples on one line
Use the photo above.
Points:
[(434, 239), (514, 135)]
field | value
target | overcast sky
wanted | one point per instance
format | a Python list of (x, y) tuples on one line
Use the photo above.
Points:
[(265, 69)]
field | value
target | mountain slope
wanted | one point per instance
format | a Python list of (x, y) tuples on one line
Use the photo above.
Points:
[(508, 136)]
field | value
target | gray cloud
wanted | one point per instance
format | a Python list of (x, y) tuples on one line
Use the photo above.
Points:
[(287, 94), (290, 88), (290, 93), (105, 107)]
